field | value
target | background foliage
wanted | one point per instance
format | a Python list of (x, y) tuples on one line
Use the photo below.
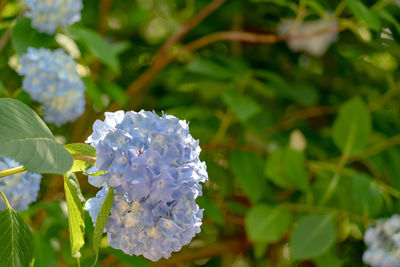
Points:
[(301, 151)]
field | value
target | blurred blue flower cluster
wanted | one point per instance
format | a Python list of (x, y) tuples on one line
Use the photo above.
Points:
[(383, 243), (52, 80), (153, 165), (21, 189), (49, 15)]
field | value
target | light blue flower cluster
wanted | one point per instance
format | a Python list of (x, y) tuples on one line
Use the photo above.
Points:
[(49, 15), (52, 80), (383, 243), (21, 189), (153, 165)]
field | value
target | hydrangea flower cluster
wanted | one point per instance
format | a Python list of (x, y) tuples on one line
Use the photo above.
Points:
[(21, 189), (49, 15), (383, 243), (153, 165), (52, 80), (313, 37)]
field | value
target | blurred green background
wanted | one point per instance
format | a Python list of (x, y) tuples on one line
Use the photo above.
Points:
[(301, 149)]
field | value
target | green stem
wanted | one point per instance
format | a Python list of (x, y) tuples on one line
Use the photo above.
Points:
[(315, 166), (343, 159), (84, 158), (22, 168), (344, 213), (340, 8), (5, 200), (12, 171)]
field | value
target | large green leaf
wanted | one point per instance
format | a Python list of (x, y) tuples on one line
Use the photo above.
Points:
[(26, 138), (286, 168), (81, 149), (101, 221), (23, 36), (352, 126), (312, 236), (243, 106), (97, 45), (364, 14), (366, 195), (75, 215), (248, 170), (210, 69), (267, 224), (16, 241)]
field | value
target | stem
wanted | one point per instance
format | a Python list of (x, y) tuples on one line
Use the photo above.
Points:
[(84, 158), (316, 165), (7, 35), (5, 200), (376, 149), (344, 213), (342, 162), (22, 168), (12, 171)]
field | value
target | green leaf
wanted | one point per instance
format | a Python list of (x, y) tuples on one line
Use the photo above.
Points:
[(286, 168), (135, 261), (267, 224), (75, 215), (352, 126), (101, 221), (211, 210), (93, 93), (364, 14), (81, 149), (312, 236), (366, 195), (97, 45), (243, 106), (45, 256), (16, 246), (247, 168), (388, 17), (23, 36), (210, 69), (26, 138)]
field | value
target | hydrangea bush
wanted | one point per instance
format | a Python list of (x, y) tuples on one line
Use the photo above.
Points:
[(153, 164), (52, 80)]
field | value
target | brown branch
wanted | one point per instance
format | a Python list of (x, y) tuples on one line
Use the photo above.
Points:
[(301, 115), (3, 4), (158, 65), (105, 7), (237, 36), (187, 27), (7, 35)]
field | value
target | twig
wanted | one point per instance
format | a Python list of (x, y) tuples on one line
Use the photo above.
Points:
[(376, 149), (105, 7), (7, 35), (344, 213), (3, 4), (187, 27), (158, 65), (12, 171), (84, 158), (301, 115)]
